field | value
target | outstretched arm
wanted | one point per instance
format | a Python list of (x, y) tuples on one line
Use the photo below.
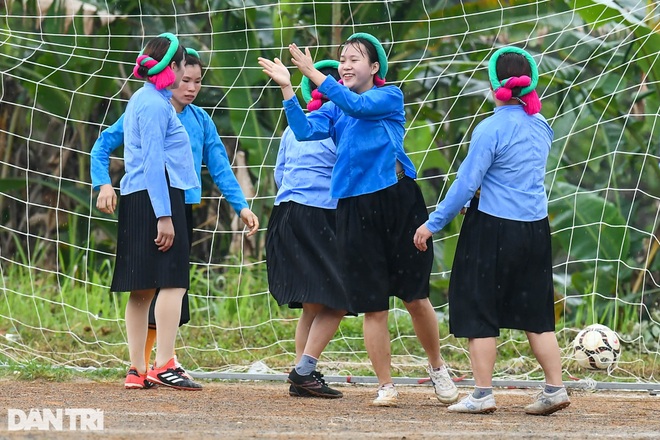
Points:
[(278, 73)]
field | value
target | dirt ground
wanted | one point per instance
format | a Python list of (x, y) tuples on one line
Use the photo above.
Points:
[(264, 410)]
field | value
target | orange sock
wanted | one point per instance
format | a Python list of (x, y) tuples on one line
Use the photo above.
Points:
[(149, 346)]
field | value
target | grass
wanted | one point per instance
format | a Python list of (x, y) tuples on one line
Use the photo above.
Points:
[(52, 322)]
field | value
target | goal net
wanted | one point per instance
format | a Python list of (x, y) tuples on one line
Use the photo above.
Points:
[(65, 67)]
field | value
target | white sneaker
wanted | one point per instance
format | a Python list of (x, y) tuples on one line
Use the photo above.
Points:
[(386, 397), (548, 403), (445, 389), (473, 405)]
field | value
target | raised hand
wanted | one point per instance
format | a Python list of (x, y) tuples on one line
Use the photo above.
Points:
[(276, 70), (303, 61)]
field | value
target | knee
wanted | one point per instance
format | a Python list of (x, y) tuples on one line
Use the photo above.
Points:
[(417, 306), (375, 318)]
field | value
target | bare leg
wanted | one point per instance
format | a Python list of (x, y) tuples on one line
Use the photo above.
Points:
[(377, 342), (426, 328), (168, 315), (546, 350), (137, 321), (323, 329), (304, 325), (483, 352)]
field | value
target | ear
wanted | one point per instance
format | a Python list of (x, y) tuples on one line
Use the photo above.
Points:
[(375, 67)]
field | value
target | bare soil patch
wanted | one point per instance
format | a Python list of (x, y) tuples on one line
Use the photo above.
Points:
[(238, 410)]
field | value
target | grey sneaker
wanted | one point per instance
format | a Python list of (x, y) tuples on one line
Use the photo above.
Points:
[(386, 397), (473, 405), (445, 390), (548, 403)]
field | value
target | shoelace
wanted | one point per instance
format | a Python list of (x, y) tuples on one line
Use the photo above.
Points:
[(319, 377), (180, 371)]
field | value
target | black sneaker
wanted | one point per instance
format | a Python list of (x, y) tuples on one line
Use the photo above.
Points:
[(312, 384), (172, 376), (295, 392)]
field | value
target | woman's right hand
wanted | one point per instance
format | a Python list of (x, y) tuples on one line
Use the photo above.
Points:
[(276, 70), (165, 238), (107, 199)]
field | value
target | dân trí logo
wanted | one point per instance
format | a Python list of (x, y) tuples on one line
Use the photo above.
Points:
[(45, 419)]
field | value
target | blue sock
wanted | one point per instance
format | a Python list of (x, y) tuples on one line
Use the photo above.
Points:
[(480, 392), (549, 389), (306, 365)]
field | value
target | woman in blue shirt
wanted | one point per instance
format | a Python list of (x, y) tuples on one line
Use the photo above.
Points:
[(502, 273), (380, 204), (206, 147), (301, 246), (152, 242)]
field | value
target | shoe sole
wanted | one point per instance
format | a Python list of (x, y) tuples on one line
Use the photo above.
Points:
[(448, 401), (385, 404), (481, 411), (313, 393), (550, 410), (297, 393)]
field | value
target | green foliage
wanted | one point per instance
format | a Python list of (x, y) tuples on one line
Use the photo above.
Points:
[(602, 108)]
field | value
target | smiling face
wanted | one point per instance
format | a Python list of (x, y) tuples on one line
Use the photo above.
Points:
[(189, 87), (356, 69)]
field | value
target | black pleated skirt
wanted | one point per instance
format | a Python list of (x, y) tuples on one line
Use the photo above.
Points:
[(376, 251), (501, 277), (139, 264), (301, 257), (185, 302)]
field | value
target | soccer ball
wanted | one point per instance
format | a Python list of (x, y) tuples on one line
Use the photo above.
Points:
[(596, 347)]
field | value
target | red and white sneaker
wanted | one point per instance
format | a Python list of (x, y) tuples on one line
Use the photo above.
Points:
[(172, 376), (136, 381), (180, 367)]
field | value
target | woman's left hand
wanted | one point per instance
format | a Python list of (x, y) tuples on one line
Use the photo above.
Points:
[(303, 61), (421, 237)]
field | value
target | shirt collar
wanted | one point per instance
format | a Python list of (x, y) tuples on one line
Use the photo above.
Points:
[(167, 93)]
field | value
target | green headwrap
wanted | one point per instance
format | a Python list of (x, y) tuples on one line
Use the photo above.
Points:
[(492, 69), (167, 59), (193, 52), (382, 57), (305, 85)]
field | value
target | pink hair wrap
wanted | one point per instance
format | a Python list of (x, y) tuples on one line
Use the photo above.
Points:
[(316, 101), (531, 101), (161, 80)]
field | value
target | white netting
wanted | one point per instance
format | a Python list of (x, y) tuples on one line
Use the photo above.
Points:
[(65, 76)]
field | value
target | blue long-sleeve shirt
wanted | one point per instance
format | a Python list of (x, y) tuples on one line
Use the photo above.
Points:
[(368, 130), (155, 142), (207, 148), (303, 171), (507, 159)]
